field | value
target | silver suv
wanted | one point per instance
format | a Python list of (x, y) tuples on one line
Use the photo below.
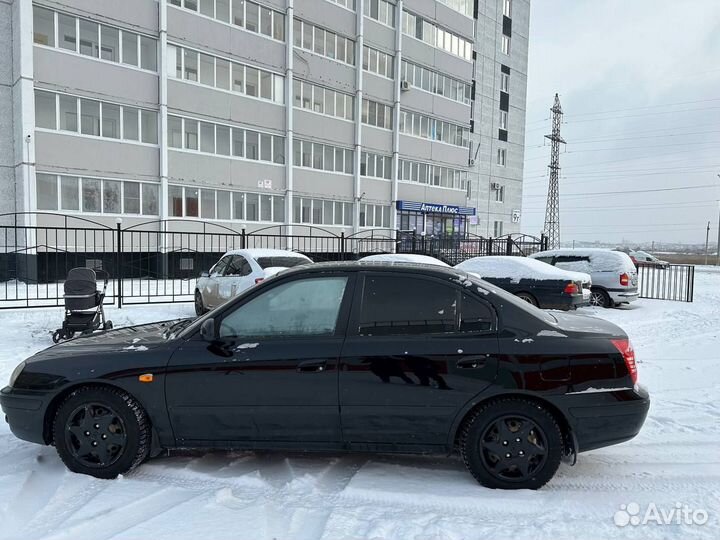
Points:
[(614, 276)]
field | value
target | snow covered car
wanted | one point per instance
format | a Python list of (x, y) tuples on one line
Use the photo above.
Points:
[(614, 276), (342, 357), (643, 258), (404, 258), (239, 270), (534, 281)]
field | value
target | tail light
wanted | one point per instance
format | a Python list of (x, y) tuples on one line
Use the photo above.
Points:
[(624, 280), (628, 353), (259, 279), (571, 288)]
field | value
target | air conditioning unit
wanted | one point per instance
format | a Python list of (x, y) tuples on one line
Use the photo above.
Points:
[(404, 85), (495, 185)]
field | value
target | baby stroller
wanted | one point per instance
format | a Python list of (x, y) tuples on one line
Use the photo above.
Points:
[(83, 304)]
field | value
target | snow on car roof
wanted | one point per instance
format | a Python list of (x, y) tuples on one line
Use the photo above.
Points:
[(603, 260), (256, 253), (517, 268), (404, 257)]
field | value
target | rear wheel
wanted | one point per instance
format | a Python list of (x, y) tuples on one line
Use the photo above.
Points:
[(102, 432), (527, 297), (600, 298), (511, 443), (199, 304)]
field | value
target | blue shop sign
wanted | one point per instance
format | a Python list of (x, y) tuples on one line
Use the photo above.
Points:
[(432, 208)]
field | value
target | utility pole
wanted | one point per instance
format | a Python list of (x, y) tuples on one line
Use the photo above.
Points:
[(717, 262), (552, 210), (707, 240)]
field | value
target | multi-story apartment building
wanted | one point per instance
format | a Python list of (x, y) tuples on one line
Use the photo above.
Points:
[(342, 114)]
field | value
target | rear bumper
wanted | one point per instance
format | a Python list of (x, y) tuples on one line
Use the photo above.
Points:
[(25, 413), (620, 296), (604, 418)]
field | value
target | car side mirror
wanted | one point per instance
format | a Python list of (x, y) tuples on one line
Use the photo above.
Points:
[(207, 329), (204, 274)]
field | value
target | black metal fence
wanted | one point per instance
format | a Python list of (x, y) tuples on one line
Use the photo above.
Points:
[(667, 282), (159, 261)]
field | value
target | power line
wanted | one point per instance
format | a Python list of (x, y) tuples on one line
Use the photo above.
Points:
[(645, 107), (639, 115), (618, 149), (625, 192)]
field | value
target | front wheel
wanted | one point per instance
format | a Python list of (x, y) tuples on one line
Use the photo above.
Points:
[(199, 304), (511, 443), (102, 432)]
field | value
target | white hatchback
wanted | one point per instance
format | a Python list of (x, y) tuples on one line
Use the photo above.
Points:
[(238, 270)]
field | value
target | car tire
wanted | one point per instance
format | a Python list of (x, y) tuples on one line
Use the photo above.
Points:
[(527, 297), (600, 298), (102, 432), (200, 308), (488, 437)]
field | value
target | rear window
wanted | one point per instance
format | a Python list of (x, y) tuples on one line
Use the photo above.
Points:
[(280, 262)]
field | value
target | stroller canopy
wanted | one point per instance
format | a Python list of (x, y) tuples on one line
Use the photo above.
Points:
[(81, 281)]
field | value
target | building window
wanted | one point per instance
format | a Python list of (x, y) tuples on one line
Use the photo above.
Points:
[(503, 120), (424, 30), (97, 41), (210, 138), (378, 62), (505, 44), (45, 116), (68, 106), (224, 205), (433, 175), (374, 215), (95, 195), (462, 6), (375, 165), (505, 82), (350, 4), (497, 228), (323, 100), (502, 157), (321, 212), (315, 39), (43, 26), (90, 117), (507, 7), (419, 125), (500, 194), (323, 157), (211, 71), (245, 14), (377, 114), (380, 10), (437, 83)]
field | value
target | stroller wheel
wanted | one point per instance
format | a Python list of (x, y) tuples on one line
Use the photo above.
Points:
[(68, 334), (108, 325), (57, 336)]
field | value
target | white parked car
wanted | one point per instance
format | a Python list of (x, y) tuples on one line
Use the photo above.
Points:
[(405, 258), (238, 270)]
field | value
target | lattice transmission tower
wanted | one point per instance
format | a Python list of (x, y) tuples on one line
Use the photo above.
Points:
[(552, 210)]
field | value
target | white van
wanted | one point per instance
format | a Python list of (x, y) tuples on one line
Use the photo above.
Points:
[(614, 276)]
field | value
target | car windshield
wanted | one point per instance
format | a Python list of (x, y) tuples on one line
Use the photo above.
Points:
[(512, 299), (280, 262)]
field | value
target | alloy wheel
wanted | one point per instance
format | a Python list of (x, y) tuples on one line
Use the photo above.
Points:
[(95, 435), (513, 448), (597, 299)]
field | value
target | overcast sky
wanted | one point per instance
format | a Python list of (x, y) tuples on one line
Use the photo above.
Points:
[(639, 82)]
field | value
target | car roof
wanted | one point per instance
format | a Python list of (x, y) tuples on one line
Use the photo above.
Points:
[(578, 251), (256, 253), (382, 266)]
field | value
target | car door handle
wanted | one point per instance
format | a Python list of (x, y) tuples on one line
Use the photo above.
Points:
[(470, 363), (312, 366)]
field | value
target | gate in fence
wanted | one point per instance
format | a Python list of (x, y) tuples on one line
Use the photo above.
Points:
[(159, 261), (669, 282)]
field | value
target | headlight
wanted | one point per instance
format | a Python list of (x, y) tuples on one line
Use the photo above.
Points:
[(16, 373)]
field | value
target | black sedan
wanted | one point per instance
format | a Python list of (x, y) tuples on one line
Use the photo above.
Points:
[(342, 356), (536, 282)]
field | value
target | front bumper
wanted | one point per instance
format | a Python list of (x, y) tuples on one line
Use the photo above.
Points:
[(25, 413), (603, 418)]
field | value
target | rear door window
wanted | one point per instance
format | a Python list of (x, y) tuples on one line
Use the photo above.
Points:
[(475, 315), (280, 262), (405, 305), (219, 268), (235, 266)]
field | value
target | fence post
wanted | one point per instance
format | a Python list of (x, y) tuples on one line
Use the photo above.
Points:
[(118, 270), (508, 246), (489, 246), (242, 239), (414, 238), (342, 246)]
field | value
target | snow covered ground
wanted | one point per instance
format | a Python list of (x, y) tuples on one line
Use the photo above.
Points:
[(223, 496)]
